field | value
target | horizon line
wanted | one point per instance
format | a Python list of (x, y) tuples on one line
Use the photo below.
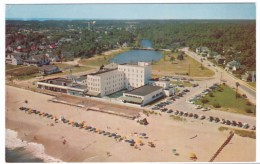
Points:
[(46, 19)]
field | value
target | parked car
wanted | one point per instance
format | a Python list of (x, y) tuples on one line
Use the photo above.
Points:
[(228, 122), (185, 114), (253, 128), (181, 113), (222, 121), (170, 111), (195, 116), (217, 119), (234, 123), (239, 124), (211, 118), (190, 114), (198, 107), (202, 117), (176, 112)]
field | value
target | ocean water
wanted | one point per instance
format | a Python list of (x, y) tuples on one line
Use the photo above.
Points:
[(18, 150), (20, 155)]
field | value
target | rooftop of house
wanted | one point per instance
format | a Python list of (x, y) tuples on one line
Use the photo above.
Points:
[(48, 67), (144, 90), (233, 63)]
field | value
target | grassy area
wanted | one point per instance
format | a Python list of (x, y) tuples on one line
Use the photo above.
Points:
[(98, 60), (61, 65), (242, 133), (177, 118), (23, 73), (253, 84), (10, 66), (185, 84), (225, 97), (188, 66), (74, 70)]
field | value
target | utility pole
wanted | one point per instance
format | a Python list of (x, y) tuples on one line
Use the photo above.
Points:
[(189, 69)]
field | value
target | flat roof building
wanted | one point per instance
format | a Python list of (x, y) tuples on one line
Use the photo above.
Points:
[(143, 95)]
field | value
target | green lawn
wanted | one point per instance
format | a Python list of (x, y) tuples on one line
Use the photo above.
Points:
[(228, 102), (9, 66), (23, 73), (188, 66)]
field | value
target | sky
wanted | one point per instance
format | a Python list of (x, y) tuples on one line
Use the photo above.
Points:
[(132, 11)]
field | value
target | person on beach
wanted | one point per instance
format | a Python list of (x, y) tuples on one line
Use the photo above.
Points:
[(64, 142)]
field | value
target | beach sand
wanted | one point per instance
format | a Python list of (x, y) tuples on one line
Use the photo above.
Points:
[(82, 145)]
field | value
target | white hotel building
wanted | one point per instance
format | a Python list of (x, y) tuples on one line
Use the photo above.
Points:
[(125, 76), (136, 75)]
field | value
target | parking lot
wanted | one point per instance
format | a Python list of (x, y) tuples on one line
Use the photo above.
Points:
[(181, 104)]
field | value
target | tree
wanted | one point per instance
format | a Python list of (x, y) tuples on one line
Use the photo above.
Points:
[(172, 58), (181, 56), (237, 85)]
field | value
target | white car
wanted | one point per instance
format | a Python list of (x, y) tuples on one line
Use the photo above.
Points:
[(198, 107), (205, 109)]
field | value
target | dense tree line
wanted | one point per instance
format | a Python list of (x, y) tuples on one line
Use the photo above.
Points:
[(233, 39)]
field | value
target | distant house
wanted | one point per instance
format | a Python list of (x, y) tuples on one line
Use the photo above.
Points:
[(13, 59), (37, 60), (200, 50), (249, 76), (212, 55), (49, 69), (52, 57), (233, 66), (220, 60)]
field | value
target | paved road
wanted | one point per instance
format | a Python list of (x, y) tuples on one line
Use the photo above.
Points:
[(221, 74)]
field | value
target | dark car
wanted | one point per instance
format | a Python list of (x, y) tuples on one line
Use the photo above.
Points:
[(195, 116), (170, 111), (181, 113), (239, 124), (190, 114), (234, 123), (217, 119), (186, 114), (164, 109), (211, 118), (228, 122)]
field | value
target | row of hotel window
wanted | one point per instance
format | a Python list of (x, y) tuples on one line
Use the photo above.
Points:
[(129, 70)]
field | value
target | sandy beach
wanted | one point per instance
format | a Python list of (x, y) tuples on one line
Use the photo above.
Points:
[(83, 145)]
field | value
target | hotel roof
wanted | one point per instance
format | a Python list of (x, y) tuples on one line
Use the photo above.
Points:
[(144, 90)]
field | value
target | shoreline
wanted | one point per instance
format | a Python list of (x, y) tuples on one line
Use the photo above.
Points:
[(86, 146), (37, 150)]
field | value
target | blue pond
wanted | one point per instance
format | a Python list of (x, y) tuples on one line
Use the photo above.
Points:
[(135, 56)]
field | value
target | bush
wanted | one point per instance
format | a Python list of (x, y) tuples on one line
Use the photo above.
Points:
[(216, 105), (248, 103), (204, 100), (211, 94), (220, 89), (248, 110)]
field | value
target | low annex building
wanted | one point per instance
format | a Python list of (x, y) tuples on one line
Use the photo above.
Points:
[(143, 95), (63, 85)]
